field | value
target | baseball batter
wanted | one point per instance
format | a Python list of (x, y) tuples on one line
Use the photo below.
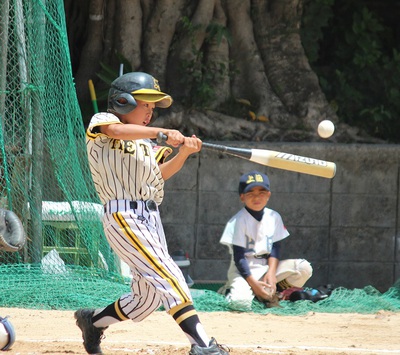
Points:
[(129, 171), (253, 236)]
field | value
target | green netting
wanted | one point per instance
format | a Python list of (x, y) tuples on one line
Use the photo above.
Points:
[(367, 300), (44, 178), (61, 287), (69, 287), (44, 175)]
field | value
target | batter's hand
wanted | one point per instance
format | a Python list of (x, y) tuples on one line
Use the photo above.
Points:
[(175, 138), (190, 145)]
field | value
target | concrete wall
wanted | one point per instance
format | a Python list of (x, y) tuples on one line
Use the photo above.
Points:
[(347, 227)]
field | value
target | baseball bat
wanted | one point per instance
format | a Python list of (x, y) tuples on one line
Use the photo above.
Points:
[(273, 159)]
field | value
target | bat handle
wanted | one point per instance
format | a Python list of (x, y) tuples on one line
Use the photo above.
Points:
[(161, 138)]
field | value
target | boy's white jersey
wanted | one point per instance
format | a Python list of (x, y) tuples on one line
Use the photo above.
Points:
[(255, 236)]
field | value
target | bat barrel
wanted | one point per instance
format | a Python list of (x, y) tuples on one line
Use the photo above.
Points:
[(279, 160), (292, 162)]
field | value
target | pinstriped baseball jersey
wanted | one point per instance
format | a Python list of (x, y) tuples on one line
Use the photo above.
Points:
[(122, 170)]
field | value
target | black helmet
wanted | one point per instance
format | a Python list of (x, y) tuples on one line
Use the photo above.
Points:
[(128, 88)]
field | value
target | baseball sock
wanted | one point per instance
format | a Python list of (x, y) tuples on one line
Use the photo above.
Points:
[(108, 315), (186, 317)]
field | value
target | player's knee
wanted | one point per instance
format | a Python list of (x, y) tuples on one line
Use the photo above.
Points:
[(305, 268), (237, 303), (303, 271), (240, 305)]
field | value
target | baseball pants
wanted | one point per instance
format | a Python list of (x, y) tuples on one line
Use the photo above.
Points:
[(135, 233)]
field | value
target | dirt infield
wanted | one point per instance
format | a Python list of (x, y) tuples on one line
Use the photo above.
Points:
[(55, 332)]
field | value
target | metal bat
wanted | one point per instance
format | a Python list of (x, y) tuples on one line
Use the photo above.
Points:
[(280, 160)]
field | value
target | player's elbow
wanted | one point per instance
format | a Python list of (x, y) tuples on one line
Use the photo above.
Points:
[(113, 130)]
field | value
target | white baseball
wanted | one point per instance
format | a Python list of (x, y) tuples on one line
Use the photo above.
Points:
[(269, 291), (326, 128)]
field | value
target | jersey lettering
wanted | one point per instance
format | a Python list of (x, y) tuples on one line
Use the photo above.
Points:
[(249, 244), (145, 149), (270, 242), (116, 144), (129, 147)]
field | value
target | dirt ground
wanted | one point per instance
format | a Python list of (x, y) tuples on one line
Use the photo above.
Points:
[(55, 332)]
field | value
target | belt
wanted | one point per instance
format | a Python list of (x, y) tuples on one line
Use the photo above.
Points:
[(125, 205), (262, 256)]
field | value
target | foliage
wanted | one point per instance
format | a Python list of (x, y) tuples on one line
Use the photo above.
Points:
[(358, 64), (107, 75), (316, 16)]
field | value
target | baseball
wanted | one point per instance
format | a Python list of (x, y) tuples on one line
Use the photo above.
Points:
[(269, 291), (326, 128)]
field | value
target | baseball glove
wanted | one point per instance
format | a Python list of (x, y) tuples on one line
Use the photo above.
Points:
[(273, 302), (12, 234)]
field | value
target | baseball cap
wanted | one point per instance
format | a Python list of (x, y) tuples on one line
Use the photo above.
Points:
[(252, 179)]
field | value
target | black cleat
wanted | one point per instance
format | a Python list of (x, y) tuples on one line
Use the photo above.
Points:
[(91, 335), (213, 349)]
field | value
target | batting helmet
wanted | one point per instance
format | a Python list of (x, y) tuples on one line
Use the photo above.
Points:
[(7, 334), (128, 88)]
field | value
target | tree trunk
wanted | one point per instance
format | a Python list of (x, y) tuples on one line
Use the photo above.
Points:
[(286, 64), (217, 58), (252, 83), (128, 31), (92, 50), (158, 36), (235, 68)]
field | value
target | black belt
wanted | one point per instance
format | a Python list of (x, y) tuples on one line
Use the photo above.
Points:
[(133, 205), (150, 205), (262, 256)]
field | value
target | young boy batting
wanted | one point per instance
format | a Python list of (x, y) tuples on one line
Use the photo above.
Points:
[(129, 176)]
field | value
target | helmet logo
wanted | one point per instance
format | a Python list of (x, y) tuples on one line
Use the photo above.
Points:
[(156, 85)]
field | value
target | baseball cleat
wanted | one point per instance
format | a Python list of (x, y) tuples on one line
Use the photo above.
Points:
[(91, 335), (213, 349)]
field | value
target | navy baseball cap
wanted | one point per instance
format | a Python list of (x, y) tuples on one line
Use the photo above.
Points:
[(252, 179)]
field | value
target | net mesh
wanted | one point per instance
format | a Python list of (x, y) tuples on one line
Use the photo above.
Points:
[(44, 174), (44, 178), (367, 300)]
